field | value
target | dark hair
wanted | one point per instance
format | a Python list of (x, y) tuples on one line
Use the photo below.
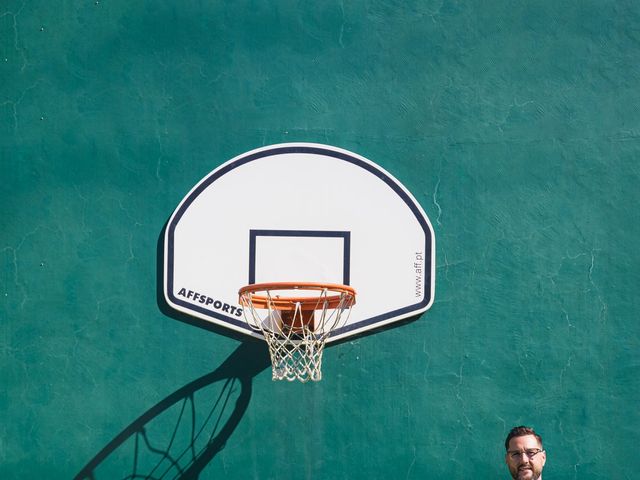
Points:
[(521, 431)]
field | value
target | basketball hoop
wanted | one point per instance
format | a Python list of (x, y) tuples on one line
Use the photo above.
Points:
[(296, 318)]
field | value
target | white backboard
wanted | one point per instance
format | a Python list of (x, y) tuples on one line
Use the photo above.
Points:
[(300, 212)]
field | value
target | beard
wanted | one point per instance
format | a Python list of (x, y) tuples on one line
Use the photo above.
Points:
[(528, 472)]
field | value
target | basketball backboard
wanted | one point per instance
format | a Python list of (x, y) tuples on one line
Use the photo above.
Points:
[(300, 212)]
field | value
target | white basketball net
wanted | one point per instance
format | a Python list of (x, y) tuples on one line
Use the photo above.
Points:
[(296, 352)]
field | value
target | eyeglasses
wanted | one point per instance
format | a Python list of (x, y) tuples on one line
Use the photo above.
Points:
[(529, 453)]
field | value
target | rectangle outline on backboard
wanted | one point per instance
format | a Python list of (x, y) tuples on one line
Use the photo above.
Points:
[(346, 250)]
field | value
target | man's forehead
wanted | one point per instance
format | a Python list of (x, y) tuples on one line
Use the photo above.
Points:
[(524, 441)]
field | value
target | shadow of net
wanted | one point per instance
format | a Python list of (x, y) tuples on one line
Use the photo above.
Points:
[(179, 436)]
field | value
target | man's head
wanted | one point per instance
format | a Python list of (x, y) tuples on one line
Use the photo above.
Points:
[(525, 454)]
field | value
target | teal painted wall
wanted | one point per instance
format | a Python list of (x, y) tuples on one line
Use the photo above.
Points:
[(515, 124)]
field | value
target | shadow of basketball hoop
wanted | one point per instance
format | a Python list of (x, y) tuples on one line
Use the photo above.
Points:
[(180, 435)]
